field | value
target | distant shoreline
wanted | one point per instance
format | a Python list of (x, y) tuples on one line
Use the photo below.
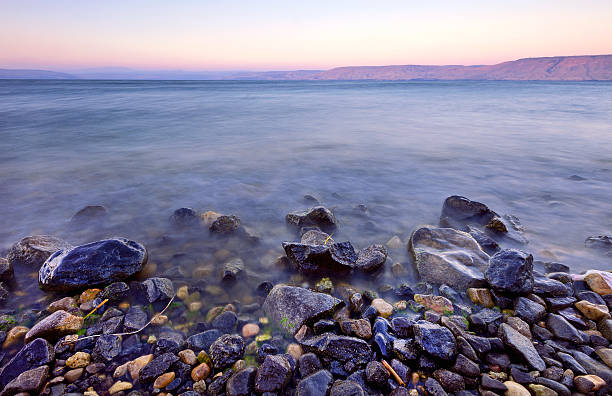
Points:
[(561, 68)]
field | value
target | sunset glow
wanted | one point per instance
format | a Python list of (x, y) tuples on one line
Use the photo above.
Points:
[(267, 35)]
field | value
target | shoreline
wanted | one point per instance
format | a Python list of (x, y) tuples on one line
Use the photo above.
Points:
[(484, 318)]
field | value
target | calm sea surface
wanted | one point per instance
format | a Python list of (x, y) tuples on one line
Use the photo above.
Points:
[(254, 149)]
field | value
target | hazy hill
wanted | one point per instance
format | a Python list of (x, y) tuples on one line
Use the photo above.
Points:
[(595, 67), (32, 74), (569, 68)]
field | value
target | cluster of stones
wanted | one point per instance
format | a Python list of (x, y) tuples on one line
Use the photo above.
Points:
[(483, 322)]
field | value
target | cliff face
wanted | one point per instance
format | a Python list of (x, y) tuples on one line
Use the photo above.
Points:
[(596, 67)]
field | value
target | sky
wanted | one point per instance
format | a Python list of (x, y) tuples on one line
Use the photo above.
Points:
[(286, 35)]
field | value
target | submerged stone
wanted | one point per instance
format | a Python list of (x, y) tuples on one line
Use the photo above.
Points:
[(371, 258), (321, 259), (445, 255), (458, 211), (318, 216), (93, 264), (32, 251)]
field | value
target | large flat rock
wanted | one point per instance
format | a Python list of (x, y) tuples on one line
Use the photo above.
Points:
[(294, 306), (445, 255), (94, 264)]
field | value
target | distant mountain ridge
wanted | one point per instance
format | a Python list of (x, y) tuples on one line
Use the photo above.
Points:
[(557, 68)]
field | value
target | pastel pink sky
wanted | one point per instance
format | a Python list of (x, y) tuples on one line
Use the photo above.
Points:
[(273, 35)]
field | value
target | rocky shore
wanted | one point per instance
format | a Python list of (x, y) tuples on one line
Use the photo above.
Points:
[(484, 319)]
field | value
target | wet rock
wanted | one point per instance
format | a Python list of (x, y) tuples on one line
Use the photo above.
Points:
[(561, 389), (529, 311), (588, 383), (232, 269), (309, 363), (544, 286), (318, 216), (28, 381), (511, 271), (562, 329), (225, 225), (316, 384), (321, 259), (433, 387), (273, 374), (242, 383), (371, 258), (32, 251), (599, 242), (341, 348), (574, 317), (451, 382), (459, 211), (557, 303), (158, 289), (6, 270), (591, 297), (376, 374), (445, 255), (521, 377), (36, 353), (225, 322), (107, 348), (184, 217), (346, 388), (134, 319), (55, 326), (486, 320), (521, 345), (226, 350), (316, 237), (115, 292), (434, 340), (169, 341), (202, 341), (357, 327), (93, 264), (605, 327), (295, 306), (405, 350), (541, 390), (466, 367), (4, 293), (156, 367), (592, 366), (491, 383)]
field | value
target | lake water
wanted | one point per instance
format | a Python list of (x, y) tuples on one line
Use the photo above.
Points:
[(254, 149)]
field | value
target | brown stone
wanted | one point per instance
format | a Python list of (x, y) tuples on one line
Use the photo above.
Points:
[(250, 330), (439, 304), (73, 375), (163, 380), (78, 360), (200, 372), (188, 356), (588, 383), (481, 297), (592, 311), (598, 284), (137, 364), (14, 336), (55, 325)]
